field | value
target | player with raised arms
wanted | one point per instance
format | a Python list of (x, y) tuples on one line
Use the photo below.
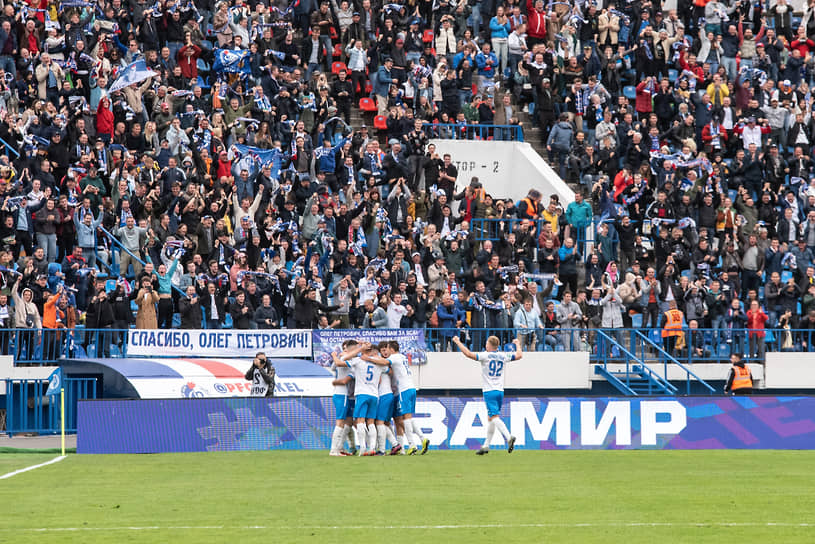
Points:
[(366, 393), (492, 384), (343, 405)]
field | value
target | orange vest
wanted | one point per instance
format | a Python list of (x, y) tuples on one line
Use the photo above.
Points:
[(531, 208), (741, 378), (673, 324)]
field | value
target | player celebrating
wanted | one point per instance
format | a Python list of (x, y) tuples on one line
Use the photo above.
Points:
[(384, 408), (342, 404), (400, 367), (492, 380), (366, 393)]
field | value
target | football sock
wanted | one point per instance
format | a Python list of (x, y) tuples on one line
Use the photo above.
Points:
[(502, 428), (414, 426), (381, 438), (361, 436), (403, 441), (389, 435), (490, 432), (352, 436), (336, 438), (371, 438)]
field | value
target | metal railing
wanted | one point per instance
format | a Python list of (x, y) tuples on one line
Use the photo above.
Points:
[(29, 410), (645, 343), (118, 244), (442, 131), (46, 346), (496, 229), (9, 148)]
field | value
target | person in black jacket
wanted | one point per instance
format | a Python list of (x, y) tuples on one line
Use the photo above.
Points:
[(307, 309), (265, 315), (190, 310), (211, 297), (241, 312), (100, 316), (261, 374)]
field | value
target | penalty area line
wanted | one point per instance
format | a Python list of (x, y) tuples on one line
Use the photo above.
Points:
[(578, 525), (32, 467)]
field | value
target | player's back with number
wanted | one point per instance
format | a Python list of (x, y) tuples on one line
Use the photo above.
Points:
[(366, 376), (401, 371), (493, 367)]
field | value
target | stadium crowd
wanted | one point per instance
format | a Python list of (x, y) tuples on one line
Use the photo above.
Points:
[(201, 153)]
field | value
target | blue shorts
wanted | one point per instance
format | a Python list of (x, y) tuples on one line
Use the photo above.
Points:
[(384, 410), (407, 402), (494, 399), (365, 406), (341, 406)]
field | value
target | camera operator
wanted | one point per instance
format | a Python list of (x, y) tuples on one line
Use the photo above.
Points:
[(261, 374)]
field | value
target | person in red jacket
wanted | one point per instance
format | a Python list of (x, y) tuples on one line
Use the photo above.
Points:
[(188, 59), (645, 91), (104, 120), (536, 26), (756, 319)]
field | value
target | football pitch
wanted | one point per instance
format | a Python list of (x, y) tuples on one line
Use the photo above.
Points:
[(444, 496)]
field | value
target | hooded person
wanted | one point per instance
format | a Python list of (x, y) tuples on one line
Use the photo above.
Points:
[(26, 316)]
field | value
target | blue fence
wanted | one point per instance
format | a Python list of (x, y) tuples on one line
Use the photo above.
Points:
[(49, 346), (513, 133), (28, 410)]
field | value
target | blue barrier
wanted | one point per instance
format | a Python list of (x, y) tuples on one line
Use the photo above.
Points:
[(474, 132), (28, 410), (49, 346)]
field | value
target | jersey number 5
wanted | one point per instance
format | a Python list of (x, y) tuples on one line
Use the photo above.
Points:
[(496, 367), (370, 374)]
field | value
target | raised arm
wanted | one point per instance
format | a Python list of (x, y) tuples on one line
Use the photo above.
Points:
[(467, 353), (375, 359)]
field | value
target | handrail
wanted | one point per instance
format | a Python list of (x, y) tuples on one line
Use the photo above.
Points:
[(143, 263), (455, 131), (664, 381), (9, 147), (672, 359)]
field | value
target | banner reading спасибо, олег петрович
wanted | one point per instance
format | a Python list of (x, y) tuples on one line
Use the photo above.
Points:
[(411, 342), (219, 343)]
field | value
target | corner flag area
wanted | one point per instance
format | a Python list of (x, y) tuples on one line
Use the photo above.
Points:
[(304, 496)]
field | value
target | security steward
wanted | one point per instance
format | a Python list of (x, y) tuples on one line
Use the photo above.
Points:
[(740, 380), (671, 326)]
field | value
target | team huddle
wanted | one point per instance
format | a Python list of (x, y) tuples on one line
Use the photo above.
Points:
[(384, 391)]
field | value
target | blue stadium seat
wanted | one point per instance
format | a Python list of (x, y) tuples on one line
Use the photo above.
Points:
[(672, 75), (110, 286), (630, 92), (227, 321), (636, 321), (785, 276)]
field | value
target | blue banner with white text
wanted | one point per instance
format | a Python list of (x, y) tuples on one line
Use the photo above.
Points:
[(230, 424)]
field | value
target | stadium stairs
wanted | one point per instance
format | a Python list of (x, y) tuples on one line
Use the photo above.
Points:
[(639, 374)]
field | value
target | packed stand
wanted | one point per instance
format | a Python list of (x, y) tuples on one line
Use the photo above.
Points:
[(196, 159)]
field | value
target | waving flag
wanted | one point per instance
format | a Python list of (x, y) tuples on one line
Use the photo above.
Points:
[(135, 73), (235, 62), (54, 382)]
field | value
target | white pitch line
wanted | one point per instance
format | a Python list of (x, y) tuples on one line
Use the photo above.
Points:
[(596, 525), (32, 467)]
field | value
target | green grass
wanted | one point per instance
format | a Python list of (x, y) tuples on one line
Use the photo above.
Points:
[(15, 461), (309, 497)]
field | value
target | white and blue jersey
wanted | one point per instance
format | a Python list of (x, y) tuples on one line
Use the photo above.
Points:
[(404, 383), (342, 406), (493, 364), (384, 409), (366, 388)]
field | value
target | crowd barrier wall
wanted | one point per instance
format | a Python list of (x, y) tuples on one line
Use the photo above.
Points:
[(154, 426)]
